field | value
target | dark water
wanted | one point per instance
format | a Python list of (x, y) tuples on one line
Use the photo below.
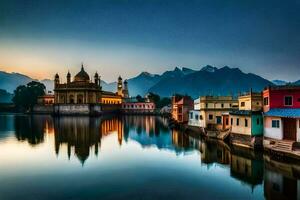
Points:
[(131, 157)]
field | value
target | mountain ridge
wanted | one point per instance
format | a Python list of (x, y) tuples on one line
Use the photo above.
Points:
[(209, 80)]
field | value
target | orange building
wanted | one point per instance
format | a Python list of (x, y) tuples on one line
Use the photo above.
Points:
[(181, 105)]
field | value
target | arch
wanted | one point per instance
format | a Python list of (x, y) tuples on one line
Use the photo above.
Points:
[(79, 98), (71, 99)]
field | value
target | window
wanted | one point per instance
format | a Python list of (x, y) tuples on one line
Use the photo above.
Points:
[(242, 104), (206, 105), (191, 115), (227, 121), (230, 105), (231, 121), (219, 119), (266, 101), (275, 124), (246, 122), (222, 105), (210, 117), (201, 118), (288, 100), (237, 121), (197, 117), (257, 121)]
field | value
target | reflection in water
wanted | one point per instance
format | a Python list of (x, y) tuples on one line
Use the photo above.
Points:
[(82, 136), (32, 128)]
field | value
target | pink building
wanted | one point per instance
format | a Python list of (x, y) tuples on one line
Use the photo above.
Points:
[(281, 106), (138, 107)]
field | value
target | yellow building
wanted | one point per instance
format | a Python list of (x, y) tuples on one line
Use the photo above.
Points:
[(214, 111)]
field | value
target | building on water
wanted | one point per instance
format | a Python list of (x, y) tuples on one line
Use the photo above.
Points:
[(84, 96), (247, 121), (212, 112), (282, 118), (181, 105)]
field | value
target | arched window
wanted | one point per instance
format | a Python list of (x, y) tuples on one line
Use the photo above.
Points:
[(71, 98), (79, 98)]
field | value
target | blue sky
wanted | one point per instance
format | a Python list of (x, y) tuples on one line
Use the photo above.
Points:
[(40, 38)]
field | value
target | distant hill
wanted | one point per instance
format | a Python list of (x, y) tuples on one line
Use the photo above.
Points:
[(279, 82), (207, 81), (297, 83), (5, 97), (9, 81)]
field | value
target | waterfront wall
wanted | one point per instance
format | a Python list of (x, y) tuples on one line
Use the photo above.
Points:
[(77, 109), (43, 109)]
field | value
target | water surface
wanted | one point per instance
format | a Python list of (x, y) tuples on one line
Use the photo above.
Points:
[(132, 157)]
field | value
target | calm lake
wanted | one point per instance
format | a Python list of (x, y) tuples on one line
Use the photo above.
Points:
[(130, 157)]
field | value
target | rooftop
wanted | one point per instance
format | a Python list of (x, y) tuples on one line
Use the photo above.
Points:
[(284, 112)]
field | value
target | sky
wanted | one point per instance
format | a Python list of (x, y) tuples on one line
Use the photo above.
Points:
[(126, 37)]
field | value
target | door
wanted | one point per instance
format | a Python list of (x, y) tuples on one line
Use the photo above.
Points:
[(289, 129)]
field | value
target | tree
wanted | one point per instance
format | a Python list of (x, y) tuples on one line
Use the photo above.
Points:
[(139, 98), (159, 102), (25, 96), (154, 97)]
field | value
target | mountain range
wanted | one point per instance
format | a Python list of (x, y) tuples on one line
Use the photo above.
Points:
[(207, 81)]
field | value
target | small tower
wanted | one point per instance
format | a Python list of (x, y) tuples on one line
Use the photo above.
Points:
[(96, 78), (120, 87), (68, 77), (125, 91), (56, 80)]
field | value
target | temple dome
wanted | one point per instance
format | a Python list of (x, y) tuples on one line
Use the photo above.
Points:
[(82, 75)]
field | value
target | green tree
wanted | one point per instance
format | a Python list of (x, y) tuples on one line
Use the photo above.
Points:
[(139, 98), (25, 96), (159, 102)]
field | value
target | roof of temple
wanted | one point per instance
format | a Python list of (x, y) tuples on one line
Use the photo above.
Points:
[(82, 75)]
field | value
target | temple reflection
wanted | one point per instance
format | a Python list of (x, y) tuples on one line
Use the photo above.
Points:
[(82, 136)]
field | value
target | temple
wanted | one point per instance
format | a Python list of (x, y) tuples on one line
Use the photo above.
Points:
[(85, 96)]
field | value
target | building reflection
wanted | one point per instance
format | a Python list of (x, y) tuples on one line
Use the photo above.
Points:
[(32, 128), (82, 136), (281, 180)]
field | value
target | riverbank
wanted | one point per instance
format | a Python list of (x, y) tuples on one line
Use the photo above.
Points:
[(276, 149)]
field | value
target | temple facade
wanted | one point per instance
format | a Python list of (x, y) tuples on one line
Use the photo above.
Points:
[(79, 91), (83, 95)]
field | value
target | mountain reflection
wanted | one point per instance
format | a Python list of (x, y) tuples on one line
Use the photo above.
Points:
[(82, 136)]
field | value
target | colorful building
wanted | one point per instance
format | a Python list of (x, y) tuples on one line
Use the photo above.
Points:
[(247, 122), (181, 105), (133, 106), (213, 111), (194, 115), (281, 114)]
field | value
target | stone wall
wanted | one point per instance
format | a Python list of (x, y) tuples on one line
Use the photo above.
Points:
[(43, 109), (77, 109)]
